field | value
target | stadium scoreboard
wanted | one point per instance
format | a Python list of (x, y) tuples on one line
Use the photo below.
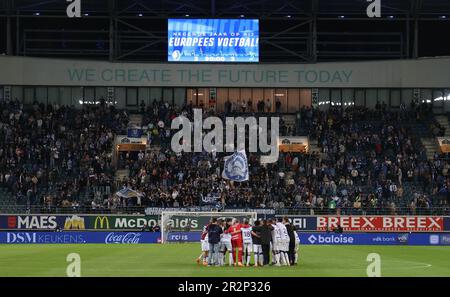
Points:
[(213, 40)]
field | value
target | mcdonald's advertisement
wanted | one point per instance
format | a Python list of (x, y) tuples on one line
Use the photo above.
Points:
[(123, 222), (99, 222), (76, 222)]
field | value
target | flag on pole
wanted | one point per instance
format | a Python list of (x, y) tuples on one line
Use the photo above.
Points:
[(236, 167), (128, 193)]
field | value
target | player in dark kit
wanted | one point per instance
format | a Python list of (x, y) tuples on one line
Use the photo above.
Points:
[(257, 248)]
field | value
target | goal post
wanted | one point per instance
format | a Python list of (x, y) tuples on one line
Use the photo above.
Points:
[(177, 222)]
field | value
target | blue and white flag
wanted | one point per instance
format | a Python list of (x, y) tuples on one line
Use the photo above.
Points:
[(211, 198), (236, 167)]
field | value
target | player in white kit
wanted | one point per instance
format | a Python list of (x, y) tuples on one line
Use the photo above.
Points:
[(203, 258), (246, 230), (297, 244), (276, 243), (284, 244)]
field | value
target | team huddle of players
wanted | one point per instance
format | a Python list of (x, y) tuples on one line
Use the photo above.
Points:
[(240, 240)]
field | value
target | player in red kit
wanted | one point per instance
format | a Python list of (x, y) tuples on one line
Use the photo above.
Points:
[(236, 241)]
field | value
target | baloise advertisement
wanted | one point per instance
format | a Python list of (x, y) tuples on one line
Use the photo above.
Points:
[(375, 239)]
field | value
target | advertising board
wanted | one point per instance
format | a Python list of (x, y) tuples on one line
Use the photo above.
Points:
[(372, 239), (382, 223), (77, 237), (196, 223)]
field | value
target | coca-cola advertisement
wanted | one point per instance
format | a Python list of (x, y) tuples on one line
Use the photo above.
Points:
[(123, 237), (78, 237)]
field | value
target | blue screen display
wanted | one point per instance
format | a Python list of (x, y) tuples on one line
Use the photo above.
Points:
[(213, 40)]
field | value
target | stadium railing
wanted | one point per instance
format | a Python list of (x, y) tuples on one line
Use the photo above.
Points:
[(426, 211), (430, 211)]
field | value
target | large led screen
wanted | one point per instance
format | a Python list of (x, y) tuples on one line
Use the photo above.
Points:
[(213, 40)]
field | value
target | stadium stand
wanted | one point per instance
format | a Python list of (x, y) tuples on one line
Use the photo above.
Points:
[(369, 99), (51, 155), (369, 161)]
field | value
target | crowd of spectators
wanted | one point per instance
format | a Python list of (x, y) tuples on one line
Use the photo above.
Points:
[(157, 118), (369, 159), (51, 154), (176, 180)]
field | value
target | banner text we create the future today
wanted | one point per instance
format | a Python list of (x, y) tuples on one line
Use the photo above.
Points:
[(213, 77), (425, 73)]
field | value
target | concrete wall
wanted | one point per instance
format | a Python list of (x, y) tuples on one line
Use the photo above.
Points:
[(422, 73)]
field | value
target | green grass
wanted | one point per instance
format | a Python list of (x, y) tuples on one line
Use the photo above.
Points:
[(179, 260)]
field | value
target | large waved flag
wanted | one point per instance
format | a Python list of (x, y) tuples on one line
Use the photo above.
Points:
[(128, 193), (236, 167)]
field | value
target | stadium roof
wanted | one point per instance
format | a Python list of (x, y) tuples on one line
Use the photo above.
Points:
[(263, 9), (291, 30)]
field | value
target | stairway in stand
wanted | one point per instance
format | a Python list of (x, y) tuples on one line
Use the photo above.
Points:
[(443, 121), (430, 143), (289, 121), (314, 147), (431, 146), (122, 174)]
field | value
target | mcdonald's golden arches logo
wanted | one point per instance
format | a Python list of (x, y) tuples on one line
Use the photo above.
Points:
[(101, 221)]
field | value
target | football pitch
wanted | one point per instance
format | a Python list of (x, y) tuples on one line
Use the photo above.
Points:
[(179, 260)]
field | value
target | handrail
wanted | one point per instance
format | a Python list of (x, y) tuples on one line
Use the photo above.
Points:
[(407, 211)]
